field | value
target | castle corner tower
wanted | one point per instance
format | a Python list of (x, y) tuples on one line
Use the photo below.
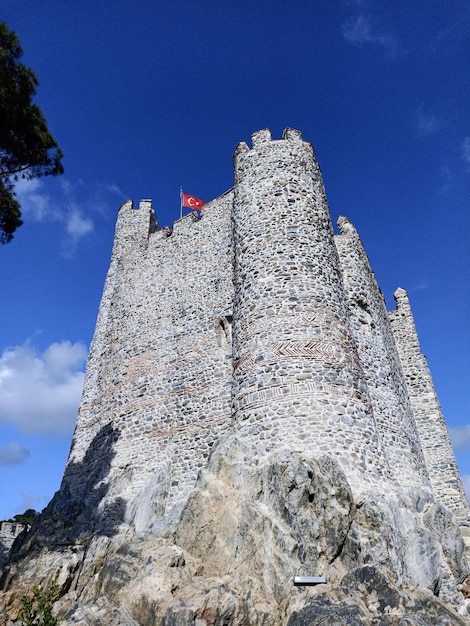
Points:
[(252, 416)]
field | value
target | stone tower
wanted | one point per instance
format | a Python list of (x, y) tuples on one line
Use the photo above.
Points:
[(255, 319), (232, 348), (307, 373)]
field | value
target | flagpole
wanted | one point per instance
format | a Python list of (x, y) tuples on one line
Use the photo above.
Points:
[(181, 202)]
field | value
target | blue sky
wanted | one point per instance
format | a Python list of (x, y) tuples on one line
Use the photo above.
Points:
[(146, 96)]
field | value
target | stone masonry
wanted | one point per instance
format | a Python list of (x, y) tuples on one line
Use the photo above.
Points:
[(9, 531), (254, 319), (251, 411)]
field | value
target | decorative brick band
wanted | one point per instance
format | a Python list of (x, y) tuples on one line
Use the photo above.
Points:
[(244, 363), (301, 390), (306, 349), (309, 349)]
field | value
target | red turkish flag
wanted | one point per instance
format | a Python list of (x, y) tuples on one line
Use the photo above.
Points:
[(192, 202)]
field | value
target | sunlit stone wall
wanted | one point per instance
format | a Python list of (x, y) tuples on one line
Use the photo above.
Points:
[(431, 427), (9, 531), (159, 371), (297, 378), (379, 361), (255, 321)]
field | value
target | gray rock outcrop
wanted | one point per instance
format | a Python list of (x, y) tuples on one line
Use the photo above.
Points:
[(247, 529)]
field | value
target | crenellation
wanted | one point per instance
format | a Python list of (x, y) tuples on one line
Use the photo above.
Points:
[(291, 134), (261, 137), (145, 204), (133, 229)]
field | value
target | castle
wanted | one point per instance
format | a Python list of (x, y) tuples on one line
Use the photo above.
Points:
[(251, 410), (9, 531), (256, 319)]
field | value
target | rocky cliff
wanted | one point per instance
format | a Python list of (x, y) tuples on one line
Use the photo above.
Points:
[(247, 529)]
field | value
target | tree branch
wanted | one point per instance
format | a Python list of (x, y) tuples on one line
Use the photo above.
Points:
[(4, 173)]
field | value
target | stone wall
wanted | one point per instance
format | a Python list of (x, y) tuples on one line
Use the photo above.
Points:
[(314, 364), (158, 382), (9, 531), (380, 362), (297, 378), (251, 411), (431, 428)]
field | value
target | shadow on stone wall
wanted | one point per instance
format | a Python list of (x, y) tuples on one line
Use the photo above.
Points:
[(74, 515)]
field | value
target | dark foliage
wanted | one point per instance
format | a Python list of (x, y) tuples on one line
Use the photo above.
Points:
[(26, 518), (27, 149)]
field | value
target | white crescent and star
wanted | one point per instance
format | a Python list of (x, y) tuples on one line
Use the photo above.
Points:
[(192, 201)]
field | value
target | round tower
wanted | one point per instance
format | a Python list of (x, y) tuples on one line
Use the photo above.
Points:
[(370, 325), (431, 427), (297, 377)]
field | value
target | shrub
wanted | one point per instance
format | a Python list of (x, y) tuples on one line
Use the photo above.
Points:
[(37, 607)]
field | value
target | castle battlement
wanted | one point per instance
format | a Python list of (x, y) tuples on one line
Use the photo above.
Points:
[(262, 324), (251, 411)]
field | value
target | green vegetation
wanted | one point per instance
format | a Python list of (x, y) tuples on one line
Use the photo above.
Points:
[(27, 149), (25, 518), (37, 607)]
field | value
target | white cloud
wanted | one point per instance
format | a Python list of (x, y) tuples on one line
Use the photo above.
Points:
[(428, 123), (13, 454), (456, 31), (419, 287), (38, 206), (74, 205), (34, 203), (466, 149), (113, 188), (77, 224), (76, 227), (460, 437), (358, 30), (40, 392)]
